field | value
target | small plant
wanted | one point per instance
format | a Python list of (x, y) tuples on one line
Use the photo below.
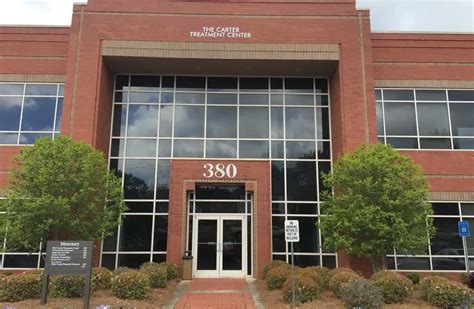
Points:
[(443, 292), (316, 273), (172, 270), (306, 289), (21, 287), (131, 284), (157, 274), (395, 287), (276, 277), (273, 264), (362, 293), (67, 286), (414, 278), (101, 278), (336, 283)]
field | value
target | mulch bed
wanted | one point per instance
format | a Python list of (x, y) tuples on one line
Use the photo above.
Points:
[(157, 299), (273, 299)]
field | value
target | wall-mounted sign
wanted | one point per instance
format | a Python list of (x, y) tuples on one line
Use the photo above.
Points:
[(220, 170), (220, 32)]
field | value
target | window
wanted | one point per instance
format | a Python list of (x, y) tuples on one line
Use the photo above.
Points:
[(425, 119), (157, 118), (446, 251), (29, 111)]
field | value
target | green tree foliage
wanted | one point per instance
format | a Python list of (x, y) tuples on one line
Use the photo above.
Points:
[(379, 202), (58, 190)]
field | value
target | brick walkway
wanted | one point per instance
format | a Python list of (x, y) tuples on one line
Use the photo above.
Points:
[(216, 293)]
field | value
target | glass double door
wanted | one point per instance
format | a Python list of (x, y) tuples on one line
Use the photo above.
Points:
[(219, 246)]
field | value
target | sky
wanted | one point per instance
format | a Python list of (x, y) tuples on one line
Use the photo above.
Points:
[(386, 15)]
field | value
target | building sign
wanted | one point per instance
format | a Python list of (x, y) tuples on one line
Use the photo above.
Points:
[(220, 32), (219, 170), (292, 231), (68, 258)]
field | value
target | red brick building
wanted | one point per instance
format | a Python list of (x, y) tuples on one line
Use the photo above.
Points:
[(220, 116)]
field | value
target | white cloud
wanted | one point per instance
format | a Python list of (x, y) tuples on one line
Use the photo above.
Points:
[(387, 15)]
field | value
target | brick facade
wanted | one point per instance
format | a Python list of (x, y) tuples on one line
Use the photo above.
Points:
[(77, 55)]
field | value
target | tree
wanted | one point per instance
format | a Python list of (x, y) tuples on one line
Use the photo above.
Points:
[(60, 189), (379, 203)]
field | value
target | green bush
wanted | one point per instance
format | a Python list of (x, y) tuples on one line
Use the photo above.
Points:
[(276, 277), (306, 289), (443, 292), (273, 264), (395, 288), (67, 286), (414, 278), (101, 278), (21, 287), (3, 285), (362, 293), (316, 273), (337, 281), (131, 284), (119, 270), (157, 274), (172, 270)]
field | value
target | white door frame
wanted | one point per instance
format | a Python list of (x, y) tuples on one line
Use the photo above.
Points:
[(219, 272)]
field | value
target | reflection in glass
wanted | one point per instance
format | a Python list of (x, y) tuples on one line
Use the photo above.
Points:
[(461, 95), (299, 122), (299, 85), (277, 122), (221, 122), (220, 192), (253, 149), (309, 236), (166, 121), (117, 147), (278, 181), (190, 83), (253, 99), (299, 99), (144, 97), (189, 121), (278, 150), (139, 179), (301, 181), (324, 150), (306, 260), (222, 84), (120, 119), (278, 234), (135, 233), (403, 143), (379, 113), (431, 95), (462, 120), (220, 207), (11, 89), (160, 239), (8, 138), (463, 143), (163, 179), (144, 82), (253, 84), (142, 120), (221, 149), (188, 148), (190, 98), (446, 240), (322, 120), (300, 150), (38, 114), (40, 90), (30, 138), (400, 118), (219, 98), (435, 143), (253, 122), (413, 263), (433, 119), (232, 245), (207, 245), (395, 95), (164, 148), (141, 148), (10, 110)]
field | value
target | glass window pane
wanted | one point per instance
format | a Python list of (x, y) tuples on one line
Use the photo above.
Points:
[(278, 181), (378, 95), (163, 179), (144, 97), (110, 242), (145, 207), (11, 89), (276, 99), (117, 147), (190, 83), (309, 234), (412, 263), (139, 179), (145, 82), (395, 95), (445, 209), (8, 138), (433, 119), (20, 261), (190, 98), (132, 260), (431, 95), (300, 150), (252, 84), (302, 209), (189, 121), (167, 98), (167, 83), (278, 150), (161, 207), (10, 110), (277, 122), (324, 168), (164, 148), (116, 166), (222, 84), (160, 241), (299, 99), (166, 121), (221, 122), (307, 260), (221, 149), (322, 121), (49, 90), (463, 143), (253, 99), (278, 234), (276, 84), (301, 181), (141, 148), (446, 240), (446, 263), (379, 113), (467, 209), (329, 261), (462, 120), (38, 114), (120, 120), (121, 97), (30, 138), (403, 143), (220, 207), (142, 120), (188, 148), (299, 122), (299, 85), (253, 149), (219, 98), (135, 233), (324, 150), (461, 95), (108, 261), (59, 114), (253, 122), (121, 82), (322, 100), (220, 192), (435, 143), (400, 118), (321, 85), (278, 208)]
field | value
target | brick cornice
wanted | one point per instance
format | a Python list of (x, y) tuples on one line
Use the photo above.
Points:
[(452, 196), (460, 84), (34, 78)]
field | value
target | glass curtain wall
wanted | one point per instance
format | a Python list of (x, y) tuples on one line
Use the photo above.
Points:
[(277, 119)]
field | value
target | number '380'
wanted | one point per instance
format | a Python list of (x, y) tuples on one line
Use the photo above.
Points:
[(220, 170)]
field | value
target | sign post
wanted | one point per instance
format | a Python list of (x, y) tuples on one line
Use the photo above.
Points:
[(292, 234), (68, 258), (463, 228)]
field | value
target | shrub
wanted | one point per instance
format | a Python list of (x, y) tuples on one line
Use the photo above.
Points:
[(414, 278), (336, 283), (444, 293), (157, 274), (23, 286), (306, 289), (101, 278), (362, 293), (316, 273), (131, 284), (334, 271), (117, 271), (276, 277), (171, 270), (3, 285), (273, 264), (395, 287), (67, 286)]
